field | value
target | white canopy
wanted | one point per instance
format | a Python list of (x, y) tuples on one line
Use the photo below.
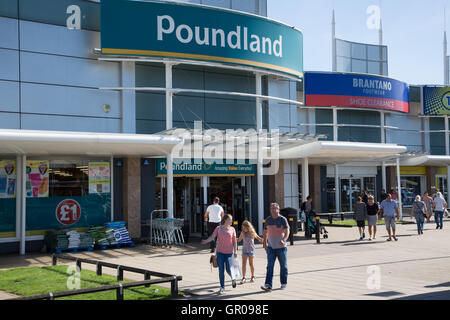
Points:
[(427, 160), (38, 142), (328, 152)]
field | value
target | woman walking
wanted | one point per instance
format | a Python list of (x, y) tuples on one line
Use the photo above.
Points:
[(249, 235), (226, 246), (372, 217), (428, 206), (439, 207), (360, 217), (418, 212)]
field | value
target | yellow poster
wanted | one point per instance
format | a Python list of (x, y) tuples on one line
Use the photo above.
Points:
[(7, 179), (37, 179), (99, 177)]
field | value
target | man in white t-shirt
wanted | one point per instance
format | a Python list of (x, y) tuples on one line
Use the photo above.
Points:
[(439, 207), (213, 215)]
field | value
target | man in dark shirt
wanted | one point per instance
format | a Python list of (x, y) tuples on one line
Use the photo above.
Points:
[(383, 196)]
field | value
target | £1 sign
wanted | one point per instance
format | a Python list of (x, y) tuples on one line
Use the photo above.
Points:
[(68, 212)]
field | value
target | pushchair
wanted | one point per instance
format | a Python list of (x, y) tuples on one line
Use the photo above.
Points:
[(310, 226)]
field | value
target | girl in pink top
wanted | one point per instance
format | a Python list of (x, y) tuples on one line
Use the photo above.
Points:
[(226, 247)]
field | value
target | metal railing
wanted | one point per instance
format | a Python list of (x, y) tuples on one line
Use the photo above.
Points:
[(164, 278)]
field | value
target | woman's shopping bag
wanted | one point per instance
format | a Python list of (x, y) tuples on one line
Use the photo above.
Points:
[(235, 269)]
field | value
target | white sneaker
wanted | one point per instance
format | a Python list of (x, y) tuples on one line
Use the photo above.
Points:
[(222, 291), (283, 286)]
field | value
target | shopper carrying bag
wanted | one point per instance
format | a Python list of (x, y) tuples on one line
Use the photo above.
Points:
[(226, 247)]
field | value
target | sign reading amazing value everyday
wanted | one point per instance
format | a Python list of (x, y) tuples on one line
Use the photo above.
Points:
[(190, 168), (194, 32), (436, 101), (355, 90)]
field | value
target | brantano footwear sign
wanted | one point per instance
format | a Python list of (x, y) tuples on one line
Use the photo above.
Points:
[(356, 90), (195, 32)]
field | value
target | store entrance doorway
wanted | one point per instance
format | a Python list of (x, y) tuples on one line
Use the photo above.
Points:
[(189, 203)]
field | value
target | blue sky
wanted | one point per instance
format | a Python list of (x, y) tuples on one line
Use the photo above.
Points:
[(413, 32)]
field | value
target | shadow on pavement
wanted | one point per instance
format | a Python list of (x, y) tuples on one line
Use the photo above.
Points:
[(385, 294), (440, 295), (441, 285)]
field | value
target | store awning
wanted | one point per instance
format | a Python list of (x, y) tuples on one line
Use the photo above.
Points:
[(330, 152), (427, 160), (42, 143)]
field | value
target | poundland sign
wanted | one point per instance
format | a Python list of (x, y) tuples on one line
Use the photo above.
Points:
[(199, 33)]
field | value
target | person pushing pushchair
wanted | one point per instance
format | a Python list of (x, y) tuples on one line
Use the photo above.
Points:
[(309, 217)]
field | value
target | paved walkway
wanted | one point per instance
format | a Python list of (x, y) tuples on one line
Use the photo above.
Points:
[(415, 267)]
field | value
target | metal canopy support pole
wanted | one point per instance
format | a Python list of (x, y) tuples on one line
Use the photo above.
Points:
[(169, 125), (336, 183), (305, 178), (399, 189), (383, 176), (259, 170), (335, 125), (18, 196), (23, 196)]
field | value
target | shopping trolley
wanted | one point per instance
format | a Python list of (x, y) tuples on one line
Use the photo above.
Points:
[(165, 231)]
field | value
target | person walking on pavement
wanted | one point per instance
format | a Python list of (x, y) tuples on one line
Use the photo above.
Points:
[(213, 216), (360, 217), (389, 209), (428, 206), (372, 217), (418, 212), (440, 205), (365, 196), (226, 247), (306, 210), (382, 196), (276, 233), (248, 235)]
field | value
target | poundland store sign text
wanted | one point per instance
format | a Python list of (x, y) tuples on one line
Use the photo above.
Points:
[(199, 33)]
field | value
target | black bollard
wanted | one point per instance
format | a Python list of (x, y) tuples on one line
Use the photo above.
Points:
[(318, 229), (291, 233)]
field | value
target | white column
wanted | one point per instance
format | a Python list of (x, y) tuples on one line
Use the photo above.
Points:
[(205, 190), (259, 167), (23, 187), (333, 43), (382, 124), (169, 125), (338, 188), (112, 187), (18, 196), (383, 176), (335, 125), (163, 185), (305, 178), (447, 147), (448, 184), (399, 190)]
